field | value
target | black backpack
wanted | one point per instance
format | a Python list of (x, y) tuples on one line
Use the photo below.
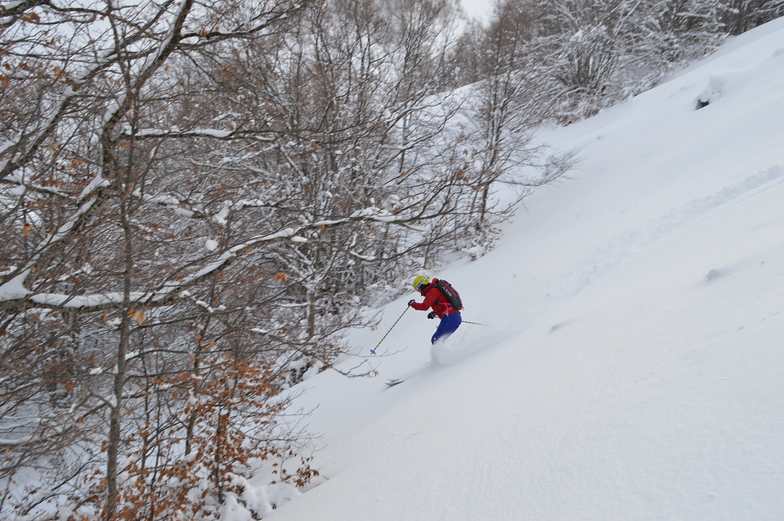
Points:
[(449, 292)]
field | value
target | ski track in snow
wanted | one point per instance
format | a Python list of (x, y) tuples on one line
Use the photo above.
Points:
[(631, 243)]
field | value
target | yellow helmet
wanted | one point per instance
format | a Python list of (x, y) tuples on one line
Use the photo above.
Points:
[(420, 281)]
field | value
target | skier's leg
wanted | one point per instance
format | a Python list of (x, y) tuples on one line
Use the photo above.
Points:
[(439, 331), (446, 327), (455, 319)]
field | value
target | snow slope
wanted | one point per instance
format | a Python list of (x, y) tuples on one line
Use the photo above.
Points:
[(631, 368)]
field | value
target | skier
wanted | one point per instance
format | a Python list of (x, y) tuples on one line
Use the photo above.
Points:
[(445, 302)]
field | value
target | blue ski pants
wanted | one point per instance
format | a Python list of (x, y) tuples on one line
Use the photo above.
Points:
[(448, 325)]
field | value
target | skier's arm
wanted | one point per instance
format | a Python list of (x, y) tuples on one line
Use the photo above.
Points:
[(419, 306), (430, 298)]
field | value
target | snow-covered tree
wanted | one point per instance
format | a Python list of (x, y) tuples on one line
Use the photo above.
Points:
[(738, 16), (196, 201), (123, 299)]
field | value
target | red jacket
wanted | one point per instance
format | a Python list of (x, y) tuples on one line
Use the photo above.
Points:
[(436, 299)]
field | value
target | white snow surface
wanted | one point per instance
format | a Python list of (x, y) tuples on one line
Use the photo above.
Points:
[(631, 367)]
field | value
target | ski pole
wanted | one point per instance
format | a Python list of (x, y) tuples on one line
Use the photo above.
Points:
[(474, 323), (390, 329)]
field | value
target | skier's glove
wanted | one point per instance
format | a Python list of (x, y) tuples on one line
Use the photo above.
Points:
[(411, 302), (432, 314)]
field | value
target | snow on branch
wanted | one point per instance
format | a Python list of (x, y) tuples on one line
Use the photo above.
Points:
[(200, 133), (14, 290), (6, 442)]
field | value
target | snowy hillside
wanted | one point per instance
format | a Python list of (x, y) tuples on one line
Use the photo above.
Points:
[(631, 367)]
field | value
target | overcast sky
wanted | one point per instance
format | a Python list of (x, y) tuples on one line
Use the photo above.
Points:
[(476, 8)]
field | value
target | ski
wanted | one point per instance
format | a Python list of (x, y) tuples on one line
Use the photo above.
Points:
[(393, 382)]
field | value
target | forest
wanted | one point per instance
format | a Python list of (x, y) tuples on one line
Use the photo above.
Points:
[(199, 199)]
